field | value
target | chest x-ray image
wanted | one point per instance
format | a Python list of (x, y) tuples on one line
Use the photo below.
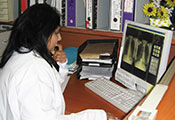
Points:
[(137, 52), (142, 54)]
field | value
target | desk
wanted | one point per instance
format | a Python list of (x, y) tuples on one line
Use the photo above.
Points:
[(78, 97), (166, 108)]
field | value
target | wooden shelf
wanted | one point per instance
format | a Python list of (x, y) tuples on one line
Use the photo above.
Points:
[(93, 32), (11, 22)]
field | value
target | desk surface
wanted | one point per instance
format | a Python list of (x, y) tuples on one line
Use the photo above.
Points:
[(78, 97)]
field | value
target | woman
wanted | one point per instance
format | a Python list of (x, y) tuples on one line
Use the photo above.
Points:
[(30, 77)]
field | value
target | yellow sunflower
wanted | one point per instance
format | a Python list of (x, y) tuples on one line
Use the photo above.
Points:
[(149, 10), (170, 3), (163, 13)]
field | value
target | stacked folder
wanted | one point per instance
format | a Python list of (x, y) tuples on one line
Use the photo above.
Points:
[(97, 58)]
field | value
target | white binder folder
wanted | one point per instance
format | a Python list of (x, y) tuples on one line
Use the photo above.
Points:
[(115, 14)]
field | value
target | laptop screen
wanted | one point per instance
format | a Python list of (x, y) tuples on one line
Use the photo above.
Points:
[(143, 55)]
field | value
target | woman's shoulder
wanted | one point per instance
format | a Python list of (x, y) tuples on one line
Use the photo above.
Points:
[(31, 64), (26, 61)]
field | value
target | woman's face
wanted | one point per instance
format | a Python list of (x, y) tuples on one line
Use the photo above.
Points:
[(53, 39)]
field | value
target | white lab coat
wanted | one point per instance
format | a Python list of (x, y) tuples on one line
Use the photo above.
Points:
[(30, 90)]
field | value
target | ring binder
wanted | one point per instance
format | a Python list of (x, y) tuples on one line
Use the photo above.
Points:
[(97, 14), (115, 14), (75, 13)]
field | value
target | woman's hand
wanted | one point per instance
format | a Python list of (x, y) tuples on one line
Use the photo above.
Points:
[(59, 55)]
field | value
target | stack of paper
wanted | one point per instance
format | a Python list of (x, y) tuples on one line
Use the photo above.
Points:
[(97, 58), (92, 72)]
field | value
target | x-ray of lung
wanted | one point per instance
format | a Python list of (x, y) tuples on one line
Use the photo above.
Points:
[(128, 50), (142, 55), (137, 52)]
